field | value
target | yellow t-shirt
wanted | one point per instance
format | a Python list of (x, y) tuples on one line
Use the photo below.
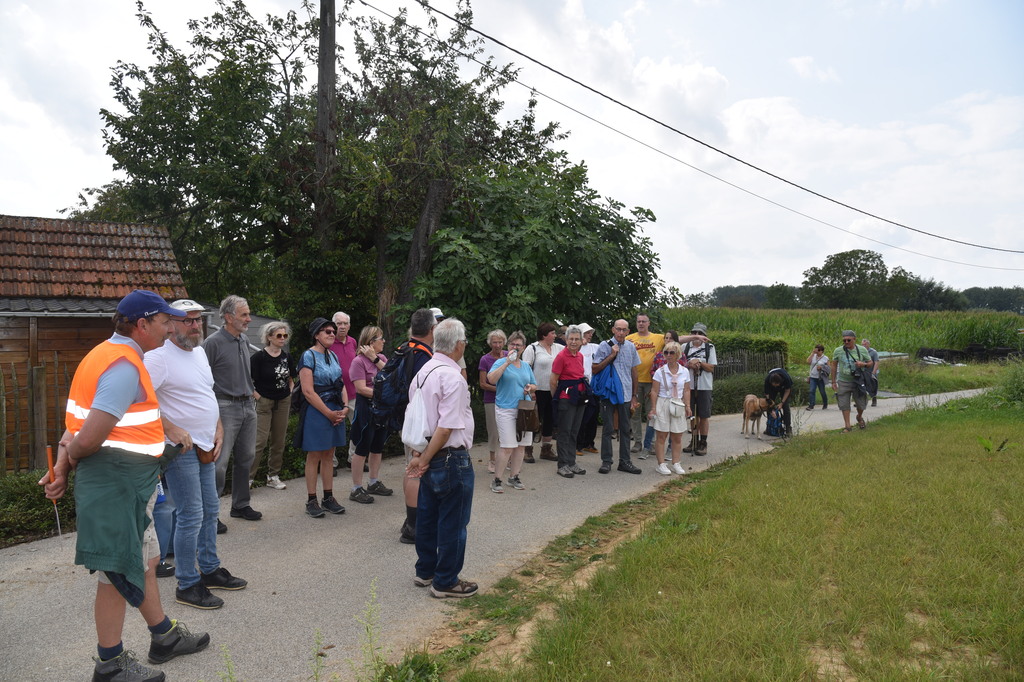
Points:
[(646, 347)]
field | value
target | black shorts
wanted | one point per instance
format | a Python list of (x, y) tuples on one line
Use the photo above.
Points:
[(365, 435), (700, 403)]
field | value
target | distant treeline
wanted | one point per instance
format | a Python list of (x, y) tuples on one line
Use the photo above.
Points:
[(860, 280)]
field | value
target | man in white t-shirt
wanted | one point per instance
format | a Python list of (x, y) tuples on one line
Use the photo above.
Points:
[(585, 441), (183, 383)]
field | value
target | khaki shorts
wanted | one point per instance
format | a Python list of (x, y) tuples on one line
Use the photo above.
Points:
[(150, 544)]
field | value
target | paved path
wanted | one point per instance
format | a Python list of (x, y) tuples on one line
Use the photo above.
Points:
[(307, 575)]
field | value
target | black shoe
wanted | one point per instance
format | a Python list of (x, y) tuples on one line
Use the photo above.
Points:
[(361, 496), (197, 596), (124, 668), (408, 536), (330, 504), (220, 579), (221, 528), (164, 570), (629, 468), (247, 513), (605, 468), (314, 510), (379, 488), (177, 641)]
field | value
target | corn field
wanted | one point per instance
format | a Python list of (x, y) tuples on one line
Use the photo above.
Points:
[(889, 330)]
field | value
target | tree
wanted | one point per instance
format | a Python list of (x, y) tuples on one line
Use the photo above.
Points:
[(781, 296), (851, 279), (742, 296)]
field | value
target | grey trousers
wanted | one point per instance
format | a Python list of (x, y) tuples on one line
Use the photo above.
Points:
[(238, 417)]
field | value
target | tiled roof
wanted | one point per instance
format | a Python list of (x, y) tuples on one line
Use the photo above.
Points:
[(48, 258), (65, 306)]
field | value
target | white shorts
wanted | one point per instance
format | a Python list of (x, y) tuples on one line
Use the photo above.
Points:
[(150, 544), (506, 419), (665, 422)]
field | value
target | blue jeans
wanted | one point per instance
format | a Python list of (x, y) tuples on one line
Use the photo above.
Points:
[(607, 410), (194, 487), (817, 385), (163, 523), (445, 503), (238, 418)]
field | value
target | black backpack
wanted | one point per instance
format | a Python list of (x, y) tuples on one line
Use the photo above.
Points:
[(391, 386)]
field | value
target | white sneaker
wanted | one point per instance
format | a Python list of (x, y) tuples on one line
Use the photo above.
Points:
[(678, 469), (276, 483), (663, 469)]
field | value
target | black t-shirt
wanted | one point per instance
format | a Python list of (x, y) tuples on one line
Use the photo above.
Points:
[(270, 375), (787, 382)]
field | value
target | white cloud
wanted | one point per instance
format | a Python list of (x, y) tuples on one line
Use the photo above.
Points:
[(807, 69)]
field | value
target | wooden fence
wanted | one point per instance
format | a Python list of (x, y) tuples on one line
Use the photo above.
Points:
[(32, 411), (744, 361)]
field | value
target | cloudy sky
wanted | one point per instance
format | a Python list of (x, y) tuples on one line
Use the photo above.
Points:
[(912, 110)]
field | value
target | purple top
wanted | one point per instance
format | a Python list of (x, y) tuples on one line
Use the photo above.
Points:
[(486, 362), (346, 353)]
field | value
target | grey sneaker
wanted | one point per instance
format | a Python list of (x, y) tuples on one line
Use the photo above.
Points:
[(575, 468), (124, 667), (516, 483), (643, 453), (565, 472), (496, 486), (361, 496), (177, 641)]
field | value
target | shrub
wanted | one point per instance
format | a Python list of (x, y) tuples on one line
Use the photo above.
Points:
[(1012, 385), (26, 514)]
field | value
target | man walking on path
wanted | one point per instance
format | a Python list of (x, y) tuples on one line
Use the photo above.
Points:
[(446, 490), (848, 361), (228, 353), (114, 441), (648, 345), (184, 386), (622, 355)]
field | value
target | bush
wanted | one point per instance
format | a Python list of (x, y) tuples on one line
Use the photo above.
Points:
[(26, 514), (1012, 385)]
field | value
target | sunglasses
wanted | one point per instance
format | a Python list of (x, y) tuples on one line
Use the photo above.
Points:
[(670, 352), (332, 332), (280, 336)]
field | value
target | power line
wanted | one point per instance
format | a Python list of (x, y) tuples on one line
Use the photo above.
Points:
[(691, 166), (699, 141)]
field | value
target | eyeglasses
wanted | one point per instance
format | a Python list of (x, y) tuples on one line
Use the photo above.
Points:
[(192, 321), (280, 336), (379, 338)]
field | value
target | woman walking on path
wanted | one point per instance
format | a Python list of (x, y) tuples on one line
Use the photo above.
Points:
[(818, 374)]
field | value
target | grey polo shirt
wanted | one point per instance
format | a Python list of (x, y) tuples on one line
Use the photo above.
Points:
[(229, 362)]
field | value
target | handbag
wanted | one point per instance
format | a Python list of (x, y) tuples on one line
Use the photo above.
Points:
[(527, 418), (676, 407), (204, 456)]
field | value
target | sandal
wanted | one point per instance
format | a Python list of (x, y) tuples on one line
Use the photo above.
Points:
[(860, 423)]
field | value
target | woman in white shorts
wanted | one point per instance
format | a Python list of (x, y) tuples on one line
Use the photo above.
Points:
[(514, 381), (670, 385)]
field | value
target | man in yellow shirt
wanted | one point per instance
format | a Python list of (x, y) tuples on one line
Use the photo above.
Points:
[(648, 345)]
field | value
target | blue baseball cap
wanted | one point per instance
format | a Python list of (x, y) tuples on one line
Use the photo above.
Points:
[(143, 303)]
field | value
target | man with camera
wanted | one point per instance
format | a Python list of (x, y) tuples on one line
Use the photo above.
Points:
[(848, 361)]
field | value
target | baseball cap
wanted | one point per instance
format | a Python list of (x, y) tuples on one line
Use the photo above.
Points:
[(144, 303), (187, 305), (438, 315)]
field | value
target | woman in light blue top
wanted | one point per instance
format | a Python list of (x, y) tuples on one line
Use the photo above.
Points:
[(514, 381)]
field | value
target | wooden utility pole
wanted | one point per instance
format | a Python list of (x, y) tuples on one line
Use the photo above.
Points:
[(326, 134)]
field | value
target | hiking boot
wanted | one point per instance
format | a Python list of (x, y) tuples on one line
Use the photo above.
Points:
[(276, 483), (221, 528), (124, 667), (565, 472), (689, 447), (408, 534), (496, 486), (330, 504), (874, 402), (379, 488), (177, 641), (547, 453), (198, 596), (220, 579), (164, 569), (422, 582), (702, 448), (577, 470), (459, 590), (629, 468), (514, 482), (361, 496), (314, 510), (247, 513), (528, 457), (605, 468), (663, 469)]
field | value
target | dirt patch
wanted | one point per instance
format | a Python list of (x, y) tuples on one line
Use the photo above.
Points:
[(568, 564)]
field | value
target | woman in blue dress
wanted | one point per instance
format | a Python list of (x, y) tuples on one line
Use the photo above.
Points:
[(323, 416)]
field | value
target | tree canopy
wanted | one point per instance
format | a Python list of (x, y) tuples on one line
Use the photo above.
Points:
[(436, 200)]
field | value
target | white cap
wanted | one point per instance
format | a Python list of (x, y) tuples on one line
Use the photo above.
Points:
[(187, 305), (584, 327), (436, 312)]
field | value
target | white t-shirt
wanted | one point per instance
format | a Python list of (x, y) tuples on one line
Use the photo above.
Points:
[(816, 366), (671, 385), (184, 388), (540, 360), (705, 353), (587, 350)]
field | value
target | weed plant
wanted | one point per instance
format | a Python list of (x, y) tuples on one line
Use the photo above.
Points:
[(891, 553)]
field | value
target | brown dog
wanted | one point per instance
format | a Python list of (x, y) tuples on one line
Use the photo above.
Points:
[(753, 408)]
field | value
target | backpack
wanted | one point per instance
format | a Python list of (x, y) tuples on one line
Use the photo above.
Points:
[(391, 387), (774, 423)]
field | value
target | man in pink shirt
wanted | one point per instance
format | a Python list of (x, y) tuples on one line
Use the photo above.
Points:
[(446, 471), (344, 347)]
